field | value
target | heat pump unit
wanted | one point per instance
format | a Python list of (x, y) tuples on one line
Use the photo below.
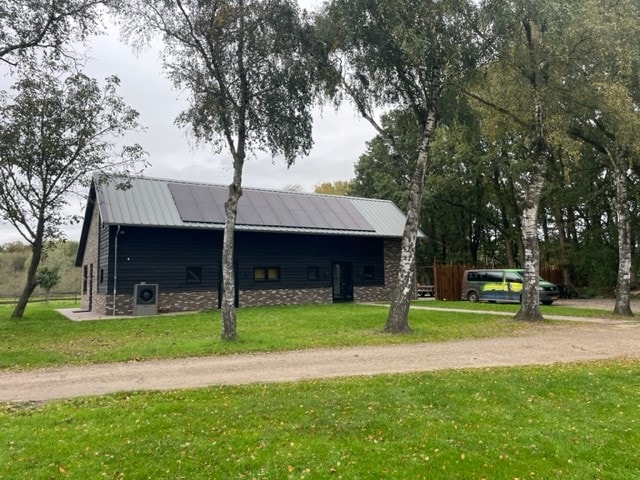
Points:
[(145, 299)]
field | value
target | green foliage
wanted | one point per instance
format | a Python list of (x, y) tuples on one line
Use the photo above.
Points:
[(47, 278), (26, 25), (58, 256), (74, 137), (385, 172), (567, 421), (244, 65), (57, 130), (338, 187)]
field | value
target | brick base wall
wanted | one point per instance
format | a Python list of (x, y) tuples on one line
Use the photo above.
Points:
[(255, 298), (167, 302), (371, 294), (195, 301)]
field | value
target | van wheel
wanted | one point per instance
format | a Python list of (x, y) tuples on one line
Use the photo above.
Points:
[(473, 297)]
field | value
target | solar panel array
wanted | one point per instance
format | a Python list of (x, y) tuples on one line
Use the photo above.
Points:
[(205, 204)]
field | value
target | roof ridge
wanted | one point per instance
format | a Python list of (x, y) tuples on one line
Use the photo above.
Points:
[(249, 188)]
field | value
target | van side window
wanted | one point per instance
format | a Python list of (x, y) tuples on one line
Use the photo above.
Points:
[(513, 277), (474, 276), (494, 276)]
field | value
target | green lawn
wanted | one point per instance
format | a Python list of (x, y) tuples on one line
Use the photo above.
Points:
[(43, 337), (561, 422), (504, 307), (570, 422)]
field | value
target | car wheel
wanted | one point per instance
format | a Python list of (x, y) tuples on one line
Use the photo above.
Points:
[(547, 302), (473, 297)]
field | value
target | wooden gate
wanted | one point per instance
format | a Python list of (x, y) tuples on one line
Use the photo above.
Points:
[(448, 280)]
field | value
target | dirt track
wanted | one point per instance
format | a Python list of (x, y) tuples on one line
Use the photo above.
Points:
[(543, 344)]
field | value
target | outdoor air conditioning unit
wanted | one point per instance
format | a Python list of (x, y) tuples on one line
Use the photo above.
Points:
[(145, 299)]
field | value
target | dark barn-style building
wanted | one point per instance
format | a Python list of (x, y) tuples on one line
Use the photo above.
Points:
[(156, 246)]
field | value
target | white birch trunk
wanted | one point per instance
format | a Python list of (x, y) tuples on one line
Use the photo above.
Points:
[(530, 302), (398, 317), (623, 286), (227, 305)]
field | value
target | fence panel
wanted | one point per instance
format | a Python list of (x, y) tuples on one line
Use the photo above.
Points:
[(449, 281)]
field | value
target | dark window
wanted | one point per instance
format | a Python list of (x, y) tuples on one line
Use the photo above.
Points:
[(368, 272), (193, 275), (495, 276), (85, 278), (102, 275), (512, 277), (266, 274), (313, 273)]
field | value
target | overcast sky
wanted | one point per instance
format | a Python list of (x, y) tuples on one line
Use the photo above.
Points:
[(339, 136)]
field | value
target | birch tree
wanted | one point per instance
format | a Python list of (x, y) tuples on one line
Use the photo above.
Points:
[(604, 97), (399, 54), (244, 66), (520, 87)]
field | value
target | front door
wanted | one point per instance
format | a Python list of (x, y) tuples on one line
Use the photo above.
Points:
[(342, 282)]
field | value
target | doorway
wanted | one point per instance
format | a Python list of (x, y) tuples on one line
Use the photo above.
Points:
[(342, 273)]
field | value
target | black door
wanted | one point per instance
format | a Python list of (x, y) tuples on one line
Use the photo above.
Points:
[(342, 273)]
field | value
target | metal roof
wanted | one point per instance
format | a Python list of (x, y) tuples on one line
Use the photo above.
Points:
[(149, 202)]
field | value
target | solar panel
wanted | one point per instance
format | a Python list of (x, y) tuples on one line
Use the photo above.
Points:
[(205, 204)]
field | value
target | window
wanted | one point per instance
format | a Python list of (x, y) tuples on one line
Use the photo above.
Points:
[(193, 275), (313, 273), (512, 277), (266, 274), (85, 278), (368, 272), (102, 275)]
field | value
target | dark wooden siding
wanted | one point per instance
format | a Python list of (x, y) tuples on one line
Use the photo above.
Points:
[(157, 255), (294, 254), (104, 257)]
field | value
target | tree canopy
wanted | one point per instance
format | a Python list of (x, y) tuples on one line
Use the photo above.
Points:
[(49, 25), (56, 129), (405, 55)]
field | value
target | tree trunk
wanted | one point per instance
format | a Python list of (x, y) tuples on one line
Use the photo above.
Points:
[(623, 287), (563, 255), (398, 317), (30, 284), (530, 304), (227, 306)]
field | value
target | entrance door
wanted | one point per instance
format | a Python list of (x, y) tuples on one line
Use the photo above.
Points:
[(342, 282)]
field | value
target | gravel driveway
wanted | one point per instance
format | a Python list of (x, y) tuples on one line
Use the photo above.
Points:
[(542, 344)]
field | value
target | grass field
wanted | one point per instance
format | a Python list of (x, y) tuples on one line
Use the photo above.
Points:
[(44, 337), (563, 422), (556, 422)]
